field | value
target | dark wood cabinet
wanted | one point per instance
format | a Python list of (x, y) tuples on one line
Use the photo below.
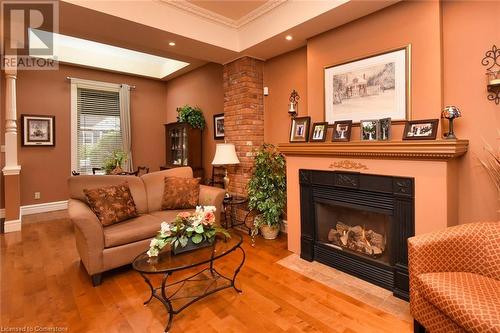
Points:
[(183, 147)]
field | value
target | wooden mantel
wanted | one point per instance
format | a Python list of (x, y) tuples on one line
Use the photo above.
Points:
[(412, 150)]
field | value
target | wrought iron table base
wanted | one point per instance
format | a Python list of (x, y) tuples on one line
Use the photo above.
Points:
[(160, 292)]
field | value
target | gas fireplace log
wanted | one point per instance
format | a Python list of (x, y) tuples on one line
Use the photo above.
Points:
[(334, 236), (341, 227)]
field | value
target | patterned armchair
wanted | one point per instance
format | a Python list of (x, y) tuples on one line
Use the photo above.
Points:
[(455, 279)]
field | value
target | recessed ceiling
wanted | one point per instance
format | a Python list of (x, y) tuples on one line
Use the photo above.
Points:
[(232, 9)]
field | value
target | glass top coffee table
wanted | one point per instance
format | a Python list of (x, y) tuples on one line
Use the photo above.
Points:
[(179, 294)]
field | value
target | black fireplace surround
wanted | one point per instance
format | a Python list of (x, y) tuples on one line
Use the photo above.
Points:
[(390, 197)]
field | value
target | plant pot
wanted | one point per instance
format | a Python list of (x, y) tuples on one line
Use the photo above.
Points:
[(190, 246), (269, 232)]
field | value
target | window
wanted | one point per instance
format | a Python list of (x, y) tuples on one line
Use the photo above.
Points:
[(96, 129)]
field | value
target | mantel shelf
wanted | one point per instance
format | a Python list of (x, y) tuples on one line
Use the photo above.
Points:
[(408, 150)]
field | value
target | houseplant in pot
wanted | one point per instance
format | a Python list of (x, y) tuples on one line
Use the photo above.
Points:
[(191, 115), (267, 190), (114, 163)]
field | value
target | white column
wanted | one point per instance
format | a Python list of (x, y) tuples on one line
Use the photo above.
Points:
[(11, 163)]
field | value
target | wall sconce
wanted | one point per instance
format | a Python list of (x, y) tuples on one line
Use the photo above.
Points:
[(294, 103), (492, 61), (450, 112)]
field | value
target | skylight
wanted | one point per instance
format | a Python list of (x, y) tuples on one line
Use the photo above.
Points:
[(84, 52)]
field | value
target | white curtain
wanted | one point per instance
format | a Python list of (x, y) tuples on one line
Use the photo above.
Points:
[(125, 125)]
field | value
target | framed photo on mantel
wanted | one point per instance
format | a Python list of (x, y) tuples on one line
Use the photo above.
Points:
[(373, 87)]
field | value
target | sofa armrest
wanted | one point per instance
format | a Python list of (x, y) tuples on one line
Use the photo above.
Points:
[(89, 235), (464, 248), (212, 196)]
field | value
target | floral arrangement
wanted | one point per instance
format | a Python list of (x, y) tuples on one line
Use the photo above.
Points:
[(197, 227), (192, 115)]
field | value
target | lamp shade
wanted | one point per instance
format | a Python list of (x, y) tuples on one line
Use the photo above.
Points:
[(225, 153), (451, 112)]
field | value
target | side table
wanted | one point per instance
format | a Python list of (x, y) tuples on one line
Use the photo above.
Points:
[(231, 204)]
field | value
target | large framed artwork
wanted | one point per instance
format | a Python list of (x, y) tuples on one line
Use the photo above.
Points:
[(373, 87), (38, 130)]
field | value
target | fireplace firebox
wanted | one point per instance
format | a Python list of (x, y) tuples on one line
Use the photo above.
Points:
[(358, 223)]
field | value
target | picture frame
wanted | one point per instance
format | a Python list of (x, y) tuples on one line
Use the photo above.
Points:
[(319, 131), (369, 130), (219, 126), (384, 129), (38, 130), (342, 131), (299, 129), (421, 129), (373, 87)]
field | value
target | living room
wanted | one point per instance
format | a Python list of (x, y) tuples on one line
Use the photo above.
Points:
[(294, 115)]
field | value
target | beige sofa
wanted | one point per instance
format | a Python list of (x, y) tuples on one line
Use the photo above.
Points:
[(103, 248)]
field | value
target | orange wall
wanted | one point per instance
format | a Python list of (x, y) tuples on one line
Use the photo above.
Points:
[(470, 28), (201, 87), (450, 73), (282, 74), (45, 169)]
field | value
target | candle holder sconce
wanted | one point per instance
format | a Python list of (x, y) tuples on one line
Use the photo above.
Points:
[(492, 62), (294, 103)]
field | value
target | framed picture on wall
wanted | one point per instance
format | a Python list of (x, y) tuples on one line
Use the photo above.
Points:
[(373, 87), (38, 130), (299, 130), (219, 126)]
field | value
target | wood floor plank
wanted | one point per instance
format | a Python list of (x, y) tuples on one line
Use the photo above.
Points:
[(43, 283)]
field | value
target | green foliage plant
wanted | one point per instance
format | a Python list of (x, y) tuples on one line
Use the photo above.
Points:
[(116, 160), (191, 115), (267, 186)]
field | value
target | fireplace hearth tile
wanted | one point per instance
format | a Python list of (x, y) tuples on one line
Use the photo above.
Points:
[(354, 287)]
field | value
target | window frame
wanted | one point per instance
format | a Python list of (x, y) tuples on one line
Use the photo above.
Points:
[(85, 84)]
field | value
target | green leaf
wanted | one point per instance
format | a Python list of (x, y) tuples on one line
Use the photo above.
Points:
[(183, 240), (199, 229), (197, 238)]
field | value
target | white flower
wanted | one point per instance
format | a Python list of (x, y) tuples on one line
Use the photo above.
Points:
[(165, 228), (199, 209), (153, 252), (153, 243), (209, 209)]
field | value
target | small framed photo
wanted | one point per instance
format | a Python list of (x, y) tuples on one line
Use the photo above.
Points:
[(421, 129), (319, 132), (342, 130), (384, 129), (38, 130), (218, 126), (369, 130), (299, 130)]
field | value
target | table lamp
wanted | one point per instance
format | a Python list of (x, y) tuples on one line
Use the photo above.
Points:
[(225, 154), (451, 112)]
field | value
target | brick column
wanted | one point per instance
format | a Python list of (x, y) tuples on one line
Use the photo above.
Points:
[(243, 116)]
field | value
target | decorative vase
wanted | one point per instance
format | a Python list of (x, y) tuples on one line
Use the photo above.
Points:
[(190, 246), (269, 232)]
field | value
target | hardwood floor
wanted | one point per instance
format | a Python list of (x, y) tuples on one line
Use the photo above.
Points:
[(43, 284)]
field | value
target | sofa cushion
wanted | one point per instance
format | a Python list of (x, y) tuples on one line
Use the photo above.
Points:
[(111, 204), (470, 300), (133, 230), (155, 183), (180, 193), (77, 184)]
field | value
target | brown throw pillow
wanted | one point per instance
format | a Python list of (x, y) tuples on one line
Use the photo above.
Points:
[(111, 204), (180, 193)]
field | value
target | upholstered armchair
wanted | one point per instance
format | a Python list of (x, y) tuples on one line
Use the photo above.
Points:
[(455, 279)]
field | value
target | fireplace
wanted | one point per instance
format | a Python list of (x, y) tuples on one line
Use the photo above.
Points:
[(358, 223)]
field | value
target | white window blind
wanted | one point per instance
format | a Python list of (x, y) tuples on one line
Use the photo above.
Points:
[(98, 128)]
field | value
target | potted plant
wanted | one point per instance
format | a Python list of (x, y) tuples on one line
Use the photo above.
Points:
[(267, 190), (187, 232), (191, 115), (114, 163)]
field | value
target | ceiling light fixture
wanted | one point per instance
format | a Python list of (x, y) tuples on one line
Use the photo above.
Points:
[(288, 37), (171, 43)]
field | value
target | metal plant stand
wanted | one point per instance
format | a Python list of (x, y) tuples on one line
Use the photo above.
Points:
[(178, 295)]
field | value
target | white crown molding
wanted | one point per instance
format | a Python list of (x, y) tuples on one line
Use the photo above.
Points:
[(215, 17)]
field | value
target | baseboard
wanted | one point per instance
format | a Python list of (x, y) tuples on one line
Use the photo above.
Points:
[(44, 207), (284, 226), (11, 226)]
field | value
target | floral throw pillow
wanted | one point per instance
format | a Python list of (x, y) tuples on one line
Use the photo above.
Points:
[(180, 193), (111, 204)]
